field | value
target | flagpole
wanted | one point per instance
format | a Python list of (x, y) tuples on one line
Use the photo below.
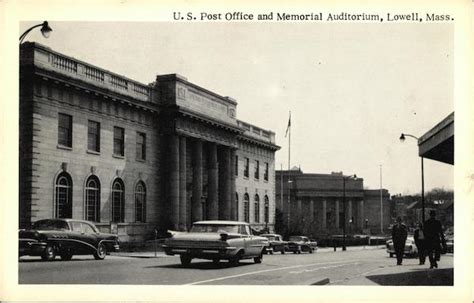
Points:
[(289, 171)]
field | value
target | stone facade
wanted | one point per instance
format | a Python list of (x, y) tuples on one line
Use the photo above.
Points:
[(313, 204), (131, 157)]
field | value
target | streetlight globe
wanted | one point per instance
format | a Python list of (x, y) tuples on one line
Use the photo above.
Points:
[(46, 30), (402, 137)]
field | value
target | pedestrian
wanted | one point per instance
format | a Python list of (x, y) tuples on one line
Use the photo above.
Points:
[(419, 236), (434, 239), (399, 236)]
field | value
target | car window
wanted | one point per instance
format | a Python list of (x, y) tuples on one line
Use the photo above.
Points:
[(214, 228), (76, 226), (86, 228), (50, 225)]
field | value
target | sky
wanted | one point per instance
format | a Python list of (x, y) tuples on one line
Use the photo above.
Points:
[(352, 88)]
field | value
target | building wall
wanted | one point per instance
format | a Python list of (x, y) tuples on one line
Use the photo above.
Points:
[(253, 186), (372, 209)]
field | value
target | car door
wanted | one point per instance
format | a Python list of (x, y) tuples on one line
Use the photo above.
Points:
[(255, 246), (76, 238), (89, 236)]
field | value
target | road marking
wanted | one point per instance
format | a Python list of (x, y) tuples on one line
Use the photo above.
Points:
[(263, 271), (359, 275), (325, 267)]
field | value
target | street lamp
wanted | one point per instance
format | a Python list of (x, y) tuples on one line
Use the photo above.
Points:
[(344, 178), (45, 30), (402, 139)]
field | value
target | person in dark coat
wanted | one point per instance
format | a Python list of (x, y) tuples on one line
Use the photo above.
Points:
[(399, 236), (419, 236), (434, 239)]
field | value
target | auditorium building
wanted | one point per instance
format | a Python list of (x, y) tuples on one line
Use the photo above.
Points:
[(132, 157), (314, 204)]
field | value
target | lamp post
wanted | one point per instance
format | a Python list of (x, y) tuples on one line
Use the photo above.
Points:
[(45, 30), (402, 139), (344, 178)]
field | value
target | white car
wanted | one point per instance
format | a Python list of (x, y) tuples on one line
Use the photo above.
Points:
[(410, 248)]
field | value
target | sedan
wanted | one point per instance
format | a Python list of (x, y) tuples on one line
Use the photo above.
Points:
[(65, 237), (410, 248)]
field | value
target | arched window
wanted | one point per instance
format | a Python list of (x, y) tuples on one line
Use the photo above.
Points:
[(63, 196), (257, 209), (118, 205), (140, 202), (267, 209), (246, 207), (93, 199), (237, 206)]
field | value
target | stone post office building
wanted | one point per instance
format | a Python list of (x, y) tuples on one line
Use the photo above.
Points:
[(98, 146)]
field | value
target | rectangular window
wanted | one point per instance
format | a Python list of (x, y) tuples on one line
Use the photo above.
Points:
[(65, 130), (119, 139), (93, 136), (257, 169), (236, 168), (246, 168), (265, 175), (141, 146)]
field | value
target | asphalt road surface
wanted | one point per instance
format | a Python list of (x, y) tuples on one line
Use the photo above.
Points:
[(356, 266)]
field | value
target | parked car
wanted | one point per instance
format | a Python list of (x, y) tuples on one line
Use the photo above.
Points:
[(217, 240), (298, 244), (65, 237), (450, 244), (410, 248), (276, 243)]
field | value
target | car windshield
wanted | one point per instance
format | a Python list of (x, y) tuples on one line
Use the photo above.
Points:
[(296, 239), (214, 228), (271, 238), (50, 225)]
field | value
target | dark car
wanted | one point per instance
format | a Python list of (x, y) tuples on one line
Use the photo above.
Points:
[(298, 244), (65, 237), (276, 243)]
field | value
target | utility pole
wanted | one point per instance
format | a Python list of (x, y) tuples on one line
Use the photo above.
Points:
[(381, 201)]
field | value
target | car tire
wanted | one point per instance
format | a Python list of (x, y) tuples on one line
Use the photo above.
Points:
[(391, 255), (283, 252), (185, 260), (234, 261), (311, 250), (101, 252), (258, 259), (271, 252), (66, 255), (49, 253)]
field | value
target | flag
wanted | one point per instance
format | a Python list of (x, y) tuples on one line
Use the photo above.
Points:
[(289, 125)]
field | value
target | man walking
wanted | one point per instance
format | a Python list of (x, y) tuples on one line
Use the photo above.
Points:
[(399, 236), (434, 239)]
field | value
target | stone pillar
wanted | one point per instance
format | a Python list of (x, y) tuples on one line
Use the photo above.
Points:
[(196, 207), (349, 216), (299, 211), (224, 184), (361, 214), (233, 206), (212, 195), (182, 184), (173, 181), (323, 217), (311, 211), (337, 214)]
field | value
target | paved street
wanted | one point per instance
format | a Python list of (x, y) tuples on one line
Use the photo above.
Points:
[(357, 266)]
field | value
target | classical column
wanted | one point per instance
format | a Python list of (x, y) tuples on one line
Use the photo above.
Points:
[(182, 184), (337, 214), (311, 211), (349, 215), (361, 214), (196, 207), (224, 184), (233, 206), (173, 181), (299, 205), (323, 217), (212, 195)]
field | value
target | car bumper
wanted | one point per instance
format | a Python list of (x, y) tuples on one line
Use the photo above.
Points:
[(31, 248), (201, 252)]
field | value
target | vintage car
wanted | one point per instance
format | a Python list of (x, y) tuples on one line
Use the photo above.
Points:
[(298, 244), (65, 237), (410, 248), (276, 243), (216, 240), (450, 244)]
